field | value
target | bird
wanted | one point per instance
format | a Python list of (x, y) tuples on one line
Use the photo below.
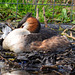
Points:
[(31, 37), (19, 39), (15, 40), (55, 43)]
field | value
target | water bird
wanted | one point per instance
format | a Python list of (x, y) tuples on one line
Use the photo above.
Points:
[(16, 39), (31, 37)]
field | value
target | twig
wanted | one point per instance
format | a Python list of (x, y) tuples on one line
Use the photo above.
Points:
[(72, 42), (67, 1), (3, 58), (23, 1), (64, 30), (73, 27), (24, 20), (34, 1), (37, 13), (71, 33), (10, 26), (45, 17), (45, 66), (68, 36), (58, 73), (54, 68), (71, 30), (1, 15)]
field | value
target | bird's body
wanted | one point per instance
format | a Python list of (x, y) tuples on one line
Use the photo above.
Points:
[(28, 38), (14, 41), (54, 43)]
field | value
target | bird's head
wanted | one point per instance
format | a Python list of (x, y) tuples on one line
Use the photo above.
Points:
[(32, 24)]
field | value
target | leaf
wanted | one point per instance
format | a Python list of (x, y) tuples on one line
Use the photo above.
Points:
[(73, 22), (6, 5), (64, 13)]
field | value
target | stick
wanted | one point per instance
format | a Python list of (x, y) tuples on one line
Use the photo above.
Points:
[(58, 73), (10, 26), (24, 20), (70, 33), (73, 27), (45, 17), (71, 30), (37, 13), (68, 36), (64, 30), (3, 58)]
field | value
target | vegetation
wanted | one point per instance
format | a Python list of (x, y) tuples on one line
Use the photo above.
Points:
[(55, 11)]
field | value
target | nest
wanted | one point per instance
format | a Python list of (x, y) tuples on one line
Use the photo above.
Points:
[(38, 62)]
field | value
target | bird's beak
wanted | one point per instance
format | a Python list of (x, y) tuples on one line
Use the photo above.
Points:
[(25, 25)]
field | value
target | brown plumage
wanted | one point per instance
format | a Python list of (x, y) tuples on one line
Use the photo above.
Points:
[(32, 24), (52, 44)]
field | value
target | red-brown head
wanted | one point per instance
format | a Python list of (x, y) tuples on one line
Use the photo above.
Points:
[(32, 24)]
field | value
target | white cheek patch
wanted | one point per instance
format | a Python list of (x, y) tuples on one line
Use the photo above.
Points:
[(25, 25)]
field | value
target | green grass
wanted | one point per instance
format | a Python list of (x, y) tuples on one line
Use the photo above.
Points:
[(61, 13)]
